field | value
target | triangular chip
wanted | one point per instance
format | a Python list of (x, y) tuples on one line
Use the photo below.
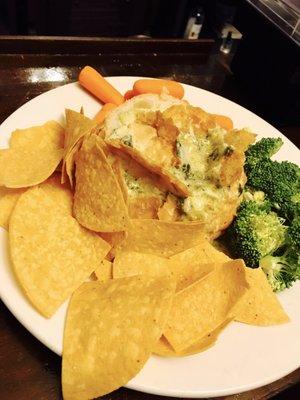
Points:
[(98, 202), (169, 210), (21, 137), (8, 200), (163, 347), (77, 126), (142, 189), (104, 272), (132, 263), (33, 156), (204, 252), (161, 237), (69, 161), (203, 306), (110, 332), (129, 263), (51, 253), (259, 305)]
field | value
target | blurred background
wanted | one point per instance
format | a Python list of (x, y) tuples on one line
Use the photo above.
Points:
[(258, 40)]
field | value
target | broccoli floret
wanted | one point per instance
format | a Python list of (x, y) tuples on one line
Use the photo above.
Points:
[(256, 232), (293, 235), (280, 181), (265, 148), (284, 268)]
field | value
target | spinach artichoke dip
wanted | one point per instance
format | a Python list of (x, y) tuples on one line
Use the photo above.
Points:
[(190, 165)]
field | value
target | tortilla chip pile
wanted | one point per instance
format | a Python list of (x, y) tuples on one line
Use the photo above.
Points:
[(138, 285)]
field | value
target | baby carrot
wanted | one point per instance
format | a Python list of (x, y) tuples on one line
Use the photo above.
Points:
[(158, 86), (94, 82), (223, 121), (105, 110), (129, 95)]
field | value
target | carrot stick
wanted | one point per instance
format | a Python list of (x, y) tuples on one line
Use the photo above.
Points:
[(223, 121), (142, 86), (105, 110), (129, 95), (92, 81)]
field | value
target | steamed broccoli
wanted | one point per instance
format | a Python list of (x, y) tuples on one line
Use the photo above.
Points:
[(265, 148), (283, 268), (280, 181), (266, 230), (256, 232)]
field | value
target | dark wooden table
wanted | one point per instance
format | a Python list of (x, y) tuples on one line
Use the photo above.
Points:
[(28, 370)]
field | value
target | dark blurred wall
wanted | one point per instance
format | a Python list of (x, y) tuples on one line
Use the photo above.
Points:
[(267, 65), (110, 18)]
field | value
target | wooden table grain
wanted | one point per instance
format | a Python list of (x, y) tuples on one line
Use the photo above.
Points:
[(31, 66)]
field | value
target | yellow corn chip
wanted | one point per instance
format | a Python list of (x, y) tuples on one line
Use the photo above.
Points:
[(114, 239), (171, 182), (163, 347), (21, 137), (203, 306), (110, 332), (131, 263), (51, 253), (8, 200), (77, 126), (188, 273), (162, 238), (240, 139), (169, 210), (98, 203), (141, 189), (33, 156), (69, 162), (204, 252), (104, 272), (259, 305)]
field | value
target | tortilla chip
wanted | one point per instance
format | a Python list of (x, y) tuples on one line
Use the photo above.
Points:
[(204, 252), (188, 273), (117, 169), (240, 139), (161, 237), (144, 207), (114, 239), (163, 347), (98, 202), (169, 210), (8, 200), (33, 156), (171, 183), (232, 168), (141, 189), (77, 126), (132, 263), (110, 332), (259, 305), (104, 272), (69, 162), (51, 253), (21, 137), (203, 306)]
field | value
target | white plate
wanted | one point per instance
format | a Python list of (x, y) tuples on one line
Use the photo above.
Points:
[(245, 357)]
